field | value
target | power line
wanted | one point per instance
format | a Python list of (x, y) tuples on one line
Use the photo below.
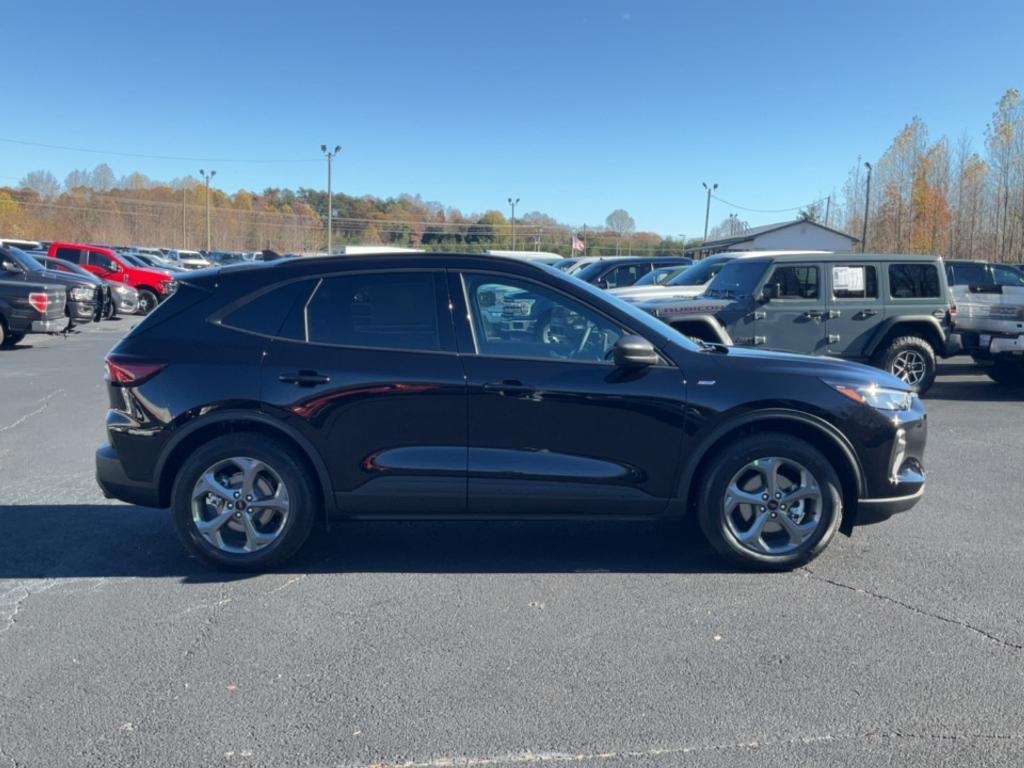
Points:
[(152, 157), (764, 210)]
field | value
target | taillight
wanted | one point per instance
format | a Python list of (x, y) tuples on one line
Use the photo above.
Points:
[(126, 372), (39, 301)]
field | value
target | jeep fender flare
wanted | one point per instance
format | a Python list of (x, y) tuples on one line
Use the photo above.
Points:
[(715, 329), (885, 327)]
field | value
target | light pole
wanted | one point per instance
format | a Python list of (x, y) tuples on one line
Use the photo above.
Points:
[(330, 193), (867, 204), (184, 189), (707, 210), (207, 177), (513, 203)]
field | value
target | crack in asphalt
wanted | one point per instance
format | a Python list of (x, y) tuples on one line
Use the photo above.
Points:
[(13, 599), (914, 609), (44, 404), (531, 757)]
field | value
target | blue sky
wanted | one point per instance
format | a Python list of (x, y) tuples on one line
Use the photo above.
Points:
[(577, 107)]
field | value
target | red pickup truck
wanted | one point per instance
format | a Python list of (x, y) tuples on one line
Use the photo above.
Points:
[(153, 286)]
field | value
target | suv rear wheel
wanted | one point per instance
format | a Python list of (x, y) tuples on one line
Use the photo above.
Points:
[(243, 502), (1010, 374), (772, 501), (910, 359)]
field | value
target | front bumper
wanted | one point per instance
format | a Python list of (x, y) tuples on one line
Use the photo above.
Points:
[(116, 484), (57, 325)]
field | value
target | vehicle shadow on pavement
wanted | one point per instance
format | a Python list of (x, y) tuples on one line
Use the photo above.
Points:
[(965, 381), (78, 541)]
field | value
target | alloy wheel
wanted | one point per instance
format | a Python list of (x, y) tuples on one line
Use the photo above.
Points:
[(240, 505), (772, 506), (910, 366)]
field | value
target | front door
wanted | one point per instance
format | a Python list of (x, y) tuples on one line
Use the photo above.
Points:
[(795, 321), (365, 368), (855, 308), (555, 428)]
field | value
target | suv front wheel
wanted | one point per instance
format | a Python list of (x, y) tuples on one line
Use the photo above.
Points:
[(772, 501), (243, 502), (910, 359)]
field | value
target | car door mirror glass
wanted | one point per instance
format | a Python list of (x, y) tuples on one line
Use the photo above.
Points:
[(632, 351)]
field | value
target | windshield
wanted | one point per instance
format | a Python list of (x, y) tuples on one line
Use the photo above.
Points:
[(661, 276), (700, 272), (737, 278), (19, 257), (640, 319)]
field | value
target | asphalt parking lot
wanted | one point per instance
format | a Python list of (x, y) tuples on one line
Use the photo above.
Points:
[(502, 644)]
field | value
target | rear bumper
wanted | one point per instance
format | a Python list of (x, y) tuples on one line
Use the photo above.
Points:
[(56, 325), (115, 483)]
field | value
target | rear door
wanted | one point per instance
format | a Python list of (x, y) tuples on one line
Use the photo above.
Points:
[(855, 307), (796, 321), (365, 368)]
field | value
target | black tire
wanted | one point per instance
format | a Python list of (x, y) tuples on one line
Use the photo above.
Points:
[(3, 333), (1009, 374), (148, 301), (110, 310), (303, 499), (11, 339), (893, 360), (733, 459)]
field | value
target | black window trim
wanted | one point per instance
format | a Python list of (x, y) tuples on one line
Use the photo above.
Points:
[(664, 360), (217, 317)]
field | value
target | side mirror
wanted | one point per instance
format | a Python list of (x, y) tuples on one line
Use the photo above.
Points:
[(10, 266), (633, 351), (770, 291), (602, 283), (115, 267)]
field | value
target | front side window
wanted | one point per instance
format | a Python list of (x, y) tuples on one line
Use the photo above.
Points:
[(386, 310), (514, 318), (854, 282), (797, 281), (913, 281), (101, 260), (625, 275), (1007, 275)]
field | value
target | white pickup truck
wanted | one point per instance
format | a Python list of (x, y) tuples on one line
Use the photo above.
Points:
[(990, 321)]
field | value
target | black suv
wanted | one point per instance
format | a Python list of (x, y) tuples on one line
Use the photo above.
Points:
[(623, 271), (890, 310), (261, 397)]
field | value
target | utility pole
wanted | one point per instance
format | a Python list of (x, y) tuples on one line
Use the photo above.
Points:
[(828, 208), (184, 189), (867, 205), (330, 193), (207, 177), (707, 210), (513, 203)]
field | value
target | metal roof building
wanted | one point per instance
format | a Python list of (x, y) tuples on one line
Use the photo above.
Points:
[(799, 235)]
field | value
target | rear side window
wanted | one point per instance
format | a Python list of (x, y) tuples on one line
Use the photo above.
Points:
[(857, 281), (266, 313), (798, 281), (969, 274), (913, 281), (74, 255), (384, 310)]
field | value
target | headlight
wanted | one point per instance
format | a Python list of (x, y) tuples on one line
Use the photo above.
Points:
[(81, 293), (882, 398)]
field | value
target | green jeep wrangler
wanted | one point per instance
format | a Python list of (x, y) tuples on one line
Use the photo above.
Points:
[(892, 311)]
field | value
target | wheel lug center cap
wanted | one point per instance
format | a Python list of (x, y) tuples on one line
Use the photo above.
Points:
[(773, 505)]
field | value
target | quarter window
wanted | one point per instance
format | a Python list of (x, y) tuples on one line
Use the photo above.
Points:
[(265, 314), (395, 310), (913, 281), (513, 318), (796, 282), (854, 282)]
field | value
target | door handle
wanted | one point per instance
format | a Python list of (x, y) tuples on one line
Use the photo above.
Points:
[(304, 378), (833, 314), (814, 314), (867, 313), (508, 387)]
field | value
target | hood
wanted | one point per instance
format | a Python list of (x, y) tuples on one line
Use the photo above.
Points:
[(640, 293), (769, 361), (673, 307)]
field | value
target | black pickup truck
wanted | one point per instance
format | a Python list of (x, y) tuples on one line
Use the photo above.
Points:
[(84, 292), (30, 307)]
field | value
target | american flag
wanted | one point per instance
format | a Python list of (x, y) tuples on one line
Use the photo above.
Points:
[(577, 244)]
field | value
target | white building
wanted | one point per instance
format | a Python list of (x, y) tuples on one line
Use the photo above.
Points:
[(796, 235)]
